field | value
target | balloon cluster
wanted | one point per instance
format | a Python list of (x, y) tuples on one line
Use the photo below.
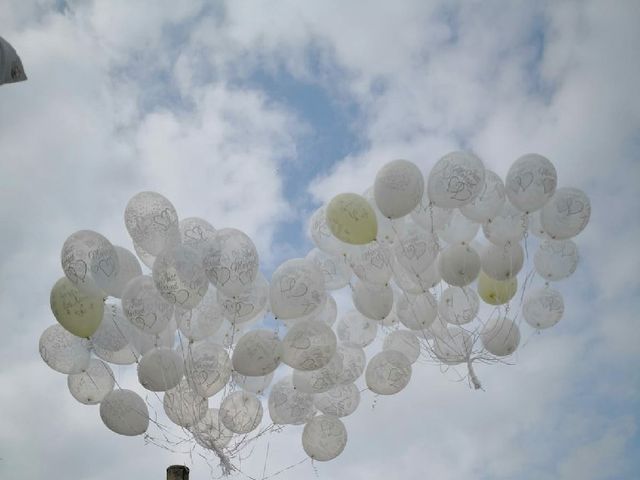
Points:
[(205, 323)]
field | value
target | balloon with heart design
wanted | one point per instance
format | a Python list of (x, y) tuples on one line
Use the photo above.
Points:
[(508, 225), (247, 306), (398, 188), (351, 219), (144, 306), (556, 259), (372, 263), (489, 202), (339, 401), (179, 276), (195, 232), (152, 222), (308, 345), (128, 268), (354, 329), (530, 182), (416, 250), (202, 321), (77, 311), (125, 412), (372, 301), (160, 369), (388, 372), (543, 308), (324, 438), (335, 269), (183, 405), (257, 353), (297, 289), (64, 352), (566, 214), (241, 412), (207, 367), (455, 180), (458, 305), (288, 405)]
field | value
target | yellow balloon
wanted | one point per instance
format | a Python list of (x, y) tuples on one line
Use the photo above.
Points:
[(351, 219), (76, 311), (496, 292)]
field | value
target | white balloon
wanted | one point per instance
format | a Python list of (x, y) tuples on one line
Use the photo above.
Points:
[(405, 342), (388, 372), (112, 331), (458, 305), (257, 353), (183, 406), (373, 301), (535, 226), (308, 345), (92, 385), (509, 225), (321, 379), (160, 369), (324, 438), (256, 385), (321, 234), (566, 214), (459, 229), (144, 256), (452, 345), (124, 356), (152, 222), (89, 261), (371, 263), (455, 180), (241, 412), (339, 401), (416, 283), (398, 188), (543, 308), (209, 432), (297, 289), (489, 202), (230, 260), (143, 342), (125, 413), (144, 307), (353, 361), (500, 336), (208, 367), (335, 269), (556, 259), (530, 182), (328, 313), (246, 306), (354, 329), (179, 277), (128, 268), (502, 262), (430, 217), (63, 351), (459, 265), (288, 405), (204, 320), (417, 312), (195, 232), (416, 250)]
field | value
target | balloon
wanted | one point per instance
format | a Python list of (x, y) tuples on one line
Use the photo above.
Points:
[(230, 260), (152, 222), (125, 413), (405, 342), (489, 203), (372, 301), (183, 406), (388, 372), (113, 329), (324, 438), (179, 277), (496, 292), (543, 308), (246, 306), (453, 345), (417, 312), (297, 289), (328, 313), (353, 361), (416, 250), (92, 385), (458, 306), (458, 230), (372, 263), (530, 182), (459, 265), (195, 232), (398, 188), (257, 353), (509, 225), (351, 219), (308, 345), (566, 214), (502, 262), (124, 356), (255, 385), (416, 283), (556, 259), (144, 306), (143, 342), (209, 432), (241, 412), (455, 180), (128, 268), (160, 369), (391, 320), (78, 312), (287, 405), (334, 269), (535, 226), (204, 320), (89, 261), (388, 229), (322, 237), (63, 351), (430, 217), (356, 330), (208, 368), (339, 401), (500, 336), (11, 69), (321, 379)]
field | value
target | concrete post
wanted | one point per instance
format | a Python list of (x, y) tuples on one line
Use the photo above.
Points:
[(177, 472)]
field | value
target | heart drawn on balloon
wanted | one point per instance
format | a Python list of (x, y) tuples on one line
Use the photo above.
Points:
[(221, 275), (76, 270), (570, 206), (245, 277), (195, 233), (301, 342), (279, 398), (164, 219), (182, 296), (524, 180), (107, 266)]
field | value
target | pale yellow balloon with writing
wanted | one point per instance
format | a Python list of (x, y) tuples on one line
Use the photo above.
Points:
[(496, 292), (351, 219), (76, 311)]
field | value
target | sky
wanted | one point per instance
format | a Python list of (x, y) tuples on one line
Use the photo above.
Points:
[(251, 115)]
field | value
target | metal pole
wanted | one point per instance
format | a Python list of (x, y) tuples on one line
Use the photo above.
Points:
[(177, 472)]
